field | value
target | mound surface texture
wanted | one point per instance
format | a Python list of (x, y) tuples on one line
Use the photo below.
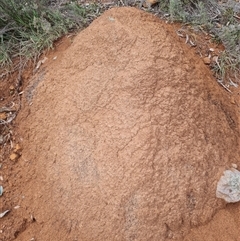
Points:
[(127, 136)]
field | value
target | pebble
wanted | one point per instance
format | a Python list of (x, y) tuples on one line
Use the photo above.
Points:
[(3, 116), (14, 156), (206, 60), (234, 165)]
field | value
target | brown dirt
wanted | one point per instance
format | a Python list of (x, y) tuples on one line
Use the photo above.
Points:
[(124, 137)]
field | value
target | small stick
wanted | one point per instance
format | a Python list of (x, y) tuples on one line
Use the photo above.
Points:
[(5, 109), (235, 16), (226, 88)]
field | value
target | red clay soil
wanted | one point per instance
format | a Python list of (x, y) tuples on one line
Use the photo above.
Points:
[(125, 136)]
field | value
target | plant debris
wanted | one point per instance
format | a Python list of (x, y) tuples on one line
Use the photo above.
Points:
[(4, 213)]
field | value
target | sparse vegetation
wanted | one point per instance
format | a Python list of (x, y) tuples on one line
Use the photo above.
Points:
[(176, 10), (27, 27), (222, 20)]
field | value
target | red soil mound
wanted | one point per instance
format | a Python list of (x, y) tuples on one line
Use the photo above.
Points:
[(126, 137)]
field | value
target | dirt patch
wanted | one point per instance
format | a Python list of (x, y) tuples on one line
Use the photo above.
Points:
[(12, 86), (124, 137), (224, 226)]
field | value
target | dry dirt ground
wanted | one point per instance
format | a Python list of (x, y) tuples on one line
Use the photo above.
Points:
[(122, 134)]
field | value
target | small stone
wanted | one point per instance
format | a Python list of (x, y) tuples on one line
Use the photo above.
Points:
[(17, 148), (228, 186), (3, 116), (11, 87), (33, 218), (232, 100), (206, 60), (14, 156), (234, 165)]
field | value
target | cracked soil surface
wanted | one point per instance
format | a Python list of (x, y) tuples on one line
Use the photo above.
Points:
[(124, 136)]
